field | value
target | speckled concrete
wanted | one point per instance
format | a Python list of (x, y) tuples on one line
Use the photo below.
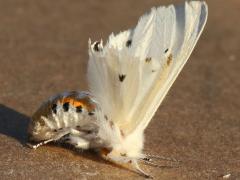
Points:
[(43, 51)]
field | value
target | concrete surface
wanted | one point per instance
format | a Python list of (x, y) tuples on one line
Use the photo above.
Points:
[(43, 51)]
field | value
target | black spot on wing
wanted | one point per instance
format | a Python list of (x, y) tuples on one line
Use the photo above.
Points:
[(79, 109), (148, 59), (66, 106), (123, 154), (96, 46), (169, 59), (105, 116), (121, 77), (111, 124), (122, 133), (166, 50), (129, 43)]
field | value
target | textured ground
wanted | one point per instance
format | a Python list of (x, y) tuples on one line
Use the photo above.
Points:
[(43, 50)]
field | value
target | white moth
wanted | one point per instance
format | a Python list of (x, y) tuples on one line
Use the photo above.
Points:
[(128, 78)]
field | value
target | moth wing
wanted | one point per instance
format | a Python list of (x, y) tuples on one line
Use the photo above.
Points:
[(133, 72)]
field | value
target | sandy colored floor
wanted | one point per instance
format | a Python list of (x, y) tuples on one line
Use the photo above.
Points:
[(43, 51)]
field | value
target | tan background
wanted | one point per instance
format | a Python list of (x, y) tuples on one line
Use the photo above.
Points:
[(43, 51)]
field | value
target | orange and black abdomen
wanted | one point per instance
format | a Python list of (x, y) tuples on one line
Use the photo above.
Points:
[(66, 110)]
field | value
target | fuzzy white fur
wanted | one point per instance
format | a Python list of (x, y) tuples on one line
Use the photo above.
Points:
[(149, 57)]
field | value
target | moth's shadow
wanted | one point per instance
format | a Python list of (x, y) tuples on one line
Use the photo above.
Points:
[(13, 124)]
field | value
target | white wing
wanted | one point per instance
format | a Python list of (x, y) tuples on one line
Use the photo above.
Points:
[(133, 72)]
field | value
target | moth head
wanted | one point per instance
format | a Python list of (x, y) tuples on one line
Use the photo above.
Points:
[(114, 155)]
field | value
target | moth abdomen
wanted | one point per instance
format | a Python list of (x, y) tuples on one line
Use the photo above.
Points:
[(65, 110)]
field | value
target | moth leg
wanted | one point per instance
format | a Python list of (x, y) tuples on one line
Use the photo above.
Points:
[(58, 136), (77, 141), (35, 146)]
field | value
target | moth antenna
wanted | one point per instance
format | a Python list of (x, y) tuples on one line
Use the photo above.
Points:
[(150, 163), (132, 165), (150, 156)]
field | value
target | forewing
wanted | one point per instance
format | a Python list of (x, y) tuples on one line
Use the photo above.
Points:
[(133, 72)]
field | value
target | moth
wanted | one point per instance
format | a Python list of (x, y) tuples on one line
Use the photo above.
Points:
[(128, 78)]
